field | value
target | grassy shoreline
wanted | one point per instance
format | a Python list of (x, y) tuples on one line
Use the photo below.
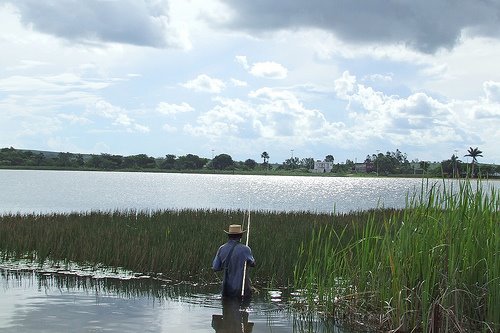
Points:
[(236, 172)]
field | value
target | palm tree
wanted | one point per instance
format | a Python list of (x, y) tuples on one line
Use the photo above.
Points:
[(474, 153), (265, 156)]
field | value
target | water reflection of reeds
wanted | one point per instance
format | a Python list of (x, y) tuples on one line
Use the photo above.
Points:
[(129, 287), (134, 287)]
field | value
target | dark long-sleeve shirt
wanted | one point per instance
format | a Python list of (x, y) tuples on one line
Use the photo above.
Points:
[(233, 276)]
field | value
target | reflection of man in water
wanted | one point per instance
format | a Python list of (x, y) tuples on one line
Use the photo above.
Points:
[(233, 320), (231, 258)]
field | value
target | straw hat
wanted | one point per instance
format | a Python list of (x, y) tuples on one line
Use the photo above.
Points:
[(235, 229)]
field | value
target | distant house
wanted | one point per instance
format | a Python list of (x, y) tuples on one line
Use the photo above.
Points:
[(359, 167), (322, 166), (366, 167)]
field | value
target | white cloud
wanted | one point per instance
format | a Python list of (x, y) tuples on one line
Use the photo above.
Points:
[(140, 128), (492, 91), (27, 84), (489, 109), (56, 83), (225, 119), (345, 86), (460, 74), (205, 83), (269, 70), (242, 60), (169, 129), (74, 119), (378, 77), (416, 120), (271, 94), (266, 69), (272, 115), (51, 84), (172, 109), (39, 125), (27, 64), (118, 115), (238, 83)]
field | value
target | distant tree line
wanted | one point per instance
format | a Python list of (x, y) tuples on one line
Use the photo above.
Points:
[(19, 158), (390, 163)]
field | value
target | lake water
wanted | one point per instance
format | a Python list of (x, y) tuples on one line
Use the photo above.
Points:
[(47, 301), (28, 191)]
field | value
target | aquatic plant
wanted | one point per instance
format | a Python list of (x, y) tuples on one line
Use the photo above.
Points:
[(180, 244), (433, 267)]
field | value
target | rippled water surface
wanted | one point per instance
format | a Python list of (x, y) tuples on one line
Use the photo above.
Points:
[(33, 301), (29, 191)]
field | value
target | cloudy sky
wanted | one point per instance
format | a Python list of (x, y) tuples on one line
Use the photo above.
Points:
[(341, 77)]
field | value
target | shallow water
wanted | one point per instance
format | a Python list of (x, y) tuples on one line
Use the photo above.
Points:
[(48, 301)]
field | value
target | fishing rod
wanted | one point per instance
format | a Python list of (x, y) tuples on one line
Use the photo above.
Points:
[(245, 265)]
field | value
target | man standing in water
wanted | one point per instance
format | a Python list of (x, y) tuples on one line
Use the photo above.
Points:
[(231, 258)]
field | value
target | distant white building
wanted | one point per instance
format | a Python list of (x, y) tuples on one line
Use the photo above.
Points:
[(322, 166)]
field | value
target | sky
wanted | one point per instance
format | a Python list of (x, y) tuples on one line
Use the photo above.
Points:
[(347, 78)]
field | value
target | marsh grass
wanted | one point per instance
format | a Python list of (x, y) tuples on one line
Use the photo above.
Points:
[(433, 267), (179, 244)]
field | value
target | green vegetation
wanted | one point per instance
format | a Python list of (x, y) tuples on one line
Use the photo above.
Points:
[(433, 267), (388, 164), (179, 244)]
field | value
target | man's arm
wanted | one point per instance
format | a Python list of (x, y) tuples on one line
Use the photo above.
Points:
[(217, 263), (250, 258), (251, 262)]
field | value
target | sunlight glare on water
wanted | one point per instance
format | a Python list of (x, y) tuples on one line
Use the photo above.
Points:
[(28, 191)]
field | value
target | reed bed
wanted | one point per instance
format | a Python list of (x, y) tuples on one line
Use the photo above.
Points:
[(178, 244), (433, 267)]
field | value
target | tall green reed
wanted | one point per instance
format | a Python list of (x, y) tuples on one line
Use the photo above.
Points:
[(432, 267), (180, 244)]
